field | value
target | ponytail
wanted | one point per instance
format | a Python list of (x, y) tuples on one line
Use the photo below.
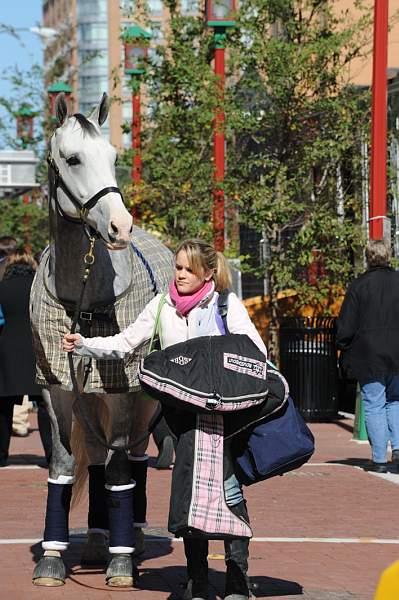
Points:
[(222, 274)]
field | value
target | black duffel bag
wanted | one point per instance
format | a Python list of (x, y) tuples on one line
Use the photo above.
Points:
[(210, 373)]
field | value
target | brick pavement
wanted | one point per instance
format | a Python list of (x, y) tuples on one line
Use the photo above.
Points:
[(330, 499)]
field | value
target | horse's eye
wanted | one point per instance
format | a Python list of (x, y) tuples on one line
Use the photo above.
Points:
[(72, 161)]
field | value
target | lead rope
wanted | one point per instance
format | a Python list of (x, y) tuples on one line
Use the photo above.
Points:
[(89, 260)]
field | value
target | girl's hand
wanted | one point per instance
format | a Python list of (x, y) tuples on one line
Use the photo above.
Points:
[(71, 340)]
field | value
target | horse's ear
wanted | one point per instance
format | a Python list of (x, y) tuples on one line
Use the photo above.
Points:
[(61, 108), (100, 113)]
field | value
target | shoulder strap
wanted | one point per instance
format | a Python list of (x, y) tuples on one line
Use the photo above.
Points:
[(157, 325), (223, 307)]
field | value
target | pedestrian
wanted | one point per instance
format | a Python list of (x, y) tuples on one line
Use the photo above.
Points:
[(191, 310), (8, 245), (368, 336), (17, 362)]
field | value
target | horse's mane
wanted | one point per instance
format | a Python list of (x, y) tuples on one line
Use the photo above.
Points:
[(86, 125)]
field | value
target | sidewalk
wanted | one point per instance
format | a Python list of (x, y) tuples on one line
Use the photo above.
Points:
[(324, 532)]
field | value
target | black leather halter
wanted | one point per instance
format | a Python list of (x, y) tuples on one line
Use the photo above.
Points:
[(83, 209)]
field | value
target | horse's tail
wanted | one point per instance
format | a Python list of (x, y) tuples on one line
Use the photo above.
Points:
[(78, 444), (81, 460)]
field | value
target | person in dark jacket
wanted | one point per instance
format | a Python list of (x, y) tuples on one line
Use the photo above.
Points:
[(8, 245), (368, 335), (17, 362)]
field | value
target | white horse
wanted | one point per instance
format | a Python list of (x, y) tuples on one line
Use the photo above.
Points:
[(92, 236)]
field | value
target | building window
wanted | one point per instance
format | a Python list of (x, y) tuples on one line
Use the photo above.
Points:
[(156, 31), (92, 85), (92, 7), (93, 58), (92, 32), (86, 107), (189, 6), (5, 174), (128, 7), (155, 7)]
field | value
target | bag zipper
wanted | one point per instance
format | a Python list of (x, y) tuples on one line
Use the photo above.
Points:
[(215, 400)]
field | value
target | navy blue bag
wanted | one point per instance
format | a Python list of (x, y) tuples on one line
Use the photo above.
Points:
[(280, 443)]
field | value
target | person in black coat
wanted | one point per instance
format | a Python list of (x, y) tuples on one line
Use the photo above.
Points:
[(368, 335), (17, 361)]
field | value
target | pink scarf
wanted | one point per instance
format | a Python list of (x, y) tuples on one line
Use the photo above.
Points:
[(184, 303)]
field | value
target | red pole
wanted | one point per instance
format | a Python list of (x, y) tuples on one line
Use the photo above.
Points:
[(218, 139), (136, 126), (378, 168)]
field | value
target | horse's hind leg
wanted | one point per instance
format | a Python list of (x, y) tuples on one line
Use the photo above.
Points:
[(143, 410), (50, 570)]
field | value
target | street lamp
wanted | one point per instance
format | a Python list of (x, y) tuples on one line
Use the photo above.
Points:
[(136, 42), (220, 15), (55, 89), (24, 118)]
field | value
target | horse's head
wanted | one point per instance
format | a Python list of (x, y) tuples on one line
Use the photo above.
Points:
[(83, 165)]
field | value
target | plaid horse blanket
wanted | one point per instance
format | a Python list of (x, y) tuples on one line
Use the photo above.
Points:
[(207, 448), (152, 266), (209, 512)]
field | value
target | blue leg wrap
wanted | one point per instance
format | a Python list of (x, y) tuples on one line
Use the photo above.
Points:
[(57, 512), (120, 511), (98, 509)]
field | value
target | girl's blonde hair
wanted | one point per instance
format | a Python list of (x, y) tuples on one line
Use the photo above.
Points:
[(202, 257), (20, 258)]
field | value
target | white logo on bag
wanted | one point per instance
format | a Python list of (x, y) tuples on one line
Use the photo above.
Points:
[(181, 360), (242, 364)]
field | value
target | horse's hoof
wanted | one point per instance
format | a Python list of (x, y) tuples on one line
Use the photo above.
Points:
[(95, 551), (121, 572), (139, 546), (50, 571)]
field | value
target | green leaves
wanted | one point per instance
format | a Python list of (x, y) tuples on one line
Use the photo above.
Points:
[(28, 223), (296, 160)]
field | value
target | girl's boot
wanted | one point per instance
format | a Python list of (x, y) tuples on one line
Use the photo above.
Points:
[(236, 558), (197, 569)]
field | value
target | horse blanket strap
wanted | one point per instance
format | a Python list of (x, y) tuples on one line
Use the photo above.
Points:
[(51, 321), (148, 267)]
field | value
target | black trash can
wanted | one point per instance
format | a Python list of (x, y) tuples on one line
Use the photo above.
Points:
[(308, 360)]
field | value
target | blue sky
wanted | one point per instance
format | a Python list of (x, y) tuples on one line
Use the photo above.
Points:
[(19, 14)]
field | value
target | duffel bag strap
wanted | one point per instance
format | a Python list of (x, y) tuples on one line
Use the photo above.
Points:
[(157, 331), (223, 307)]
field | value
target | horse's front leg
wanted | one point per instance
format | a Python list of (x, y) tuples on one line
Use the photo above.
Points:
[(50, 570), (110, 484)]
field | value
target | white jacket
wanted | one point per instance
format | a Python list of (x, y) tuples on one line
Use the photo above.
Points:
[(175, 328)]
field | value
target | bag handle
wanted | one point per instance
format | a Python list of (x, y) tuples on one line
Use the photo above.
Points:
[(157, 325)]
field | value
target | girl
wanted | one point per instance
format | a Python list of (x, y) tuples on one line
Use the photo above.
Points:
[(191, 310)]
